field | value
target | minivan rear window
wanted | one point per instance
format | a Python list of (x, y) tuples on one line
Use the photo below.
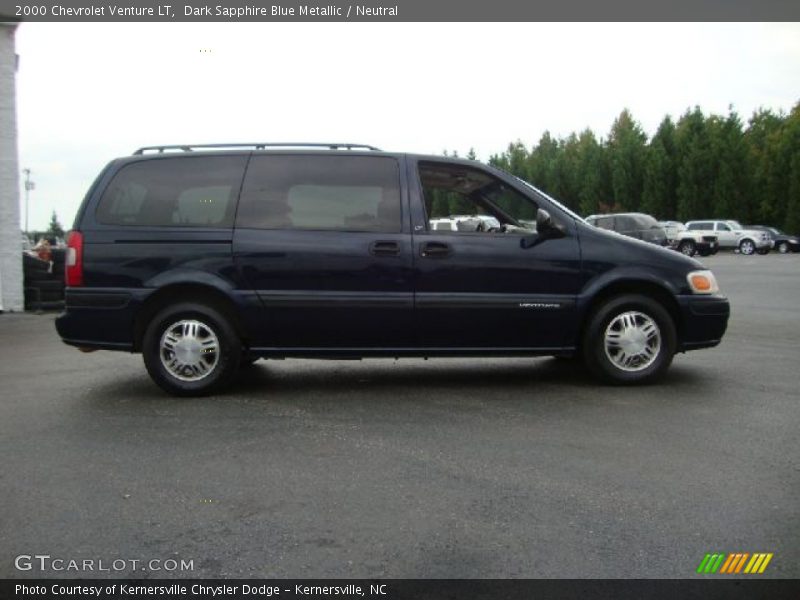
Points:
[(192, 191), (340, 193)]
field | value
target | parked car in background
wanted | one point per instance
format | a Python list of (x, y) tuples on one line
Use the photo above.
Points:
[(636, 225), (783, 241), (688, 242), (732, 236), (672, 229)]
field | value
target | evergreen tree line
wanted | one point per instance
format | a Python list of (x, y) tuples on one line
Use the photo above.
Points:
[(698, 167)]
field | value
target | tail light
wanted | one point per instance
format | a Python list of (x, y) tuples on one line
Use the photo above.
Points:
[(74, 259)]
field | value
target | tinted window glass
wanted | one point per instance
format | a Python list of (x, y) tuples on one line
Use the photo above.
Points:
[(198, 191), (627, 224), (700, 226), (605, 223), (344, 193), (458, 198)]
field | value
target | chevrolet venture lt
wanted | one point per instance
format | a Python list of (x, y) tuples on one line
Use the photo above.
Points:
[(207, 258)]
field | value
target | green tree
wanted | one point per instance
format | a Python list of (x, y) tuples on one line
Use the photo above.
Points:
[(592, 179), (695, 166), (790, 154), (660, 175), (626, 146), (542, 164), (730, 178), (54, 230), (762, 140)]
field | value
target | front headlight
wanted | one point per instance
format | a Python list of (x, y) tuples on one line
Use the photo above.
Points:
[(702, 282)]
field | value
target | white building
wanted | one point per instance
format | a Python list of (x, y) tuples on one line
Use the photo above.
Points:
[(11, 293)]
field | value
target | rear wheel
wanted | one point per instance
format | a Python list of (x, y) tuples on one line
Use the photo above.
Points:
[(629, 339), (783, 247), (191, 349)]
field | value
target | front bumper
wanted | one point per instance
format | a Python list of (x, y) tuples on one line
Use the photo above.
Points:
[(704, 321)]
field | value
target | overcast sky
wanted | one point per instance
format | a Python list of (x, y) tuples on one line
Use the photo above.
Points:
[(90, 93)]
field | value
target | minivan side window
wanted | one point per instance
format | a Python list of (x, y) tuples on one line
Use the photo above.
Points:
[(337, 193), (471, 200), (197, 191)]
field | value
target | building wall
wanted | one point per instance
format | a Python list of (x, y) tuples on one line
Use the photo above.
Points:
[(11, 297)]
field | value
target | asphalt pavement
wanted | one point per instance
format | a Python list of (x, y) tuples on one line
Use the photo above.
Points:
[(445, 468)]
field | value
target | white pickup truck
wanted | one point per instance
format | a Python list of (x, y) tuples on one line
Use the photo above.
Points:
[(732, 236)]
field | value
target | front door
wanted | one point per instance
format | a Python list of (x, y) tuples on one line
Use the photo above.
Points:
[(477, 284), (323, 240)]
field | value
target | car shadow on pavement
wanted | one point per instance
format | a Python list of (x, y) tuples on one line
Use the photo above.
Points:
[(303, 379)]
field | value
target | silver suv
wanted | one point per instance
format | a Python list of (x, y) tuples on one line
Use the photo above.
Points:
[(731, 235)]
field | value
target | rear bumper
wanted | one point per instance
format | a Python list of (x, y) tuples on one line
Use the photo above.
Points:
[(704, 321), (99, 319)]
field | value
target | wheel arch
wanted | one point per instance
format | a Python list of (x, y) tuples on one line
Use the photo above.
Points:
[(177, 292), (631, 285)]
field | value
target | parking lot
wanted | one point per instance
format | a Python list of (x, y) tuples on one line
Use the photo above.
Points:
[(443, 468)]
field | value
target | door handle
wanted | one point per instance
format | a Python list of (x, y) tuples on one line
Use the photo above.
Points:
[(435, 250), (384, 248)]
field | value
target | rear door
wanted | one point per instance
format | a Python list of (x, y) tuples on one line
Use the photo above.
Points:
[(482, 289), (324, 241)]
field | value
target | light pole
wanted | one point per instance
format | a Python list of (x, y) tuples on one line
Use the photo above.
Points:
[(29, 185)]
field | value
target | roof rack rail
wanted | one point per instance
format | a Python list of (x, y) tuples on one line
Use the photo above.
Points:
[(255, 146)]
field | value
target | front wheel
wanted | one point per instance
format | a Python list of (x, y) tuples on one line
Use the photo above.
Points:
[(687, 248), (747, 247), (629, 339), (191, 349)]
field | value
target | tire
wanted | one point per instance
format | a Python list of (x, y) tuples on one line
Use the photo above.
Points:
[(763, 251), (783, 247), (747, 247), (704, 252), (650, 326), (191, 326), (687, 248)]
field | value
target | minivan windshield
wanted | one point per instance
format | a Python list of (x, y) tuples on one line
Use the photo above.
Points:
[(551, 199)]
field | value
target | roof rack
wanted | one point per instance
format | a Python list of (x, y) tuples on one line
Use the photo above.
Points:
[(255, 146)]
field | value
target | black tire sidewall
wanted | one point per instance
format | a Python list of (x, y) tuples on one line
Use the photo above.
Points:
[(230, 349), (594, 343)]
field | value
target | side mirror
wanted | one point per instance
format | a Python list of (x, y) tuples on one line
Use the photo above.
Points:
[(546, 229)]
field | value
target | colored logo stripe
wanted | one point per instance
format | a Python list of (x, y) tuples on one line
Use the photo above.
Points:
[(734, 563)]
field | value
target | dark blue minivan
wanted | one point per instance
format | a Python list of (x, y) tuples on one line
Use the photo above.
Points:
[(207, 258)]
